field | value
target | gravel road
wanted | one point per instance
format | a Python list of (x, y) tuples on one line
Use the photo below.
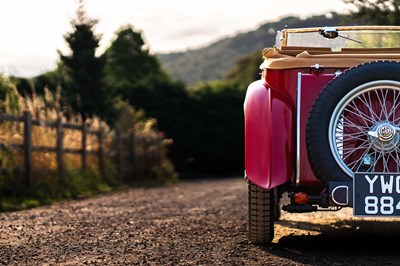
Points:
[(191, 223)]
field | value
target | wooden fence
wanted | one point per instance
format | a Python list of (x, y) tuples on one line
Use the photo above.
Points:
[(123, 152)]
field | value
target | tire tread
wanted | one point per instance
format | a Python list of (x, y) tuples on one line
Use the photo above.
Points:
[(261, 213)]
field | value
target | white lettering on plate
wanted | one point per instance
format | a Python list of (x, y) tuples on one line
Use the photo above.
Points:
[(386, 185), (371, 182), (398, 184)]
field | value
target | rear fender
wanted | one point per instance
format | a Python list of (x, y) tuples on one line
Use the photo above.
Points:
[(269, 136)]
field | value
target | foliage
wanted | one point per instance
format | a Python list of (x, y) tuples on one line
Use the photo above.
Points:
[(76, 185), (128, 61), (136, 76), (130, 119), (164, 100), (375, 12), (8, 95), (50, 80), (83, 88), (216, 133), (246, 70), (134, 121)]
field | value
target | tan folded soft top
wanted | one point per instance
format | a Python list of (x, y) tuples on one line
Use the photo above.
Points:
[(304, 57)]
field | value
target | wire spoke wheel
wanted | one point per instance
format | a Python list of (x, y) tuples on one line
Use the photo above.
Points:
[(354, 124), (364, 127)]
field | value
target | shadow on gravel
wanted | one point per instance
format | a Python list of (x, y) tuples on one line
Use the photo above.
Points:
[(341, 243)]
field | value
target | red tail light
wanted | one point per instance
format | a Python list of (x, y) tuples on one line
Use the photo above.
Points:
[(301, 198)]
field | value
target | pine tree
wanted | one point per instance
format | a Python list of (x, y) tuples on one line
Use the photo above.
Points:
[(83, 89)]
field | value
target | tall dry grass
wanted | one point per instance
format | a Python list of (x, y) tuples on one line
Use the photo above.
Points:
[(48, 108)]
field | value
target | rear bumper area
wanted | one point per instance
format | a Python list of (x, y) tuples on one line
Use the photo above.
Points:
[(333, 198), (341, 194)]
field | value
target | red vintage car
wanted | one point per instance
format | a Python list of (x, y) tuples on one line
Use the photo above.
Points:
[(322, 125)]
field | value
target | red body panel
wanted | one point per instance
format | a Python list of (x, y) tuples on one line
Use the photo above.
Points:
[(311, 86), (269, 135), (270, 127)]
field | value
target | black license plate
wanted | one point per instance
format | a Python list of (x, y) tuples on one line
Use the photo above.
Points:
[(376, 194)]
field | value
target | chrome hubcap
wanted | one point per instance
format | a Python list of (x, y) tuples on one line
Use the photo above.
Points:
[(383, 137)]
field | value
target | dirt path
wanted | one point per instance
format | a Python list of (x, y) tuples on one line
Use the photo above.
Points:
[(192, 223)]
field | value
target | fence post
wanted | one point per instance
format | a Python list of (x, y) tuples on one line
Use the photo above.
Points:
[(100, 135), (84, 152), (133, 153), (60, 157), (158, 149), (118, 140), (28, 149)]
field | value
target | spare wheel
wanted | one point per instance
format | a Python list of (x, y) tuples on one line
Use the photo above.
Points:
[(354, 124)]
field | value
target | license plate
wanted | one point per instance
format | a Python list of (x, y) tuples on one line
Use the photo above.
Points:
[(376, 194)]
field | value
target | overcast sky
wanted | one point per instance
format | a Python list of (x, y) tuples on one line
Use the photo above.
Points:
[(32, 31)]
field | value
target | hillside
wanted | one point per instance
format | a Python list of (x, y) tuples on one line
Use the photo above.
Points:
[(213, 62)]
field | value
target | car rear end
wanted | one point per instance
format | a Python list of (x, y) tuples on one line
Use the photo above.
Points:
[(322, 124)]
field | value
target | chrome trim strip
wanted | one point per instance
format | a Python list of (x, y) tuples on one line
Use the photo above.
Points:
[(298, 129), (347, 195)]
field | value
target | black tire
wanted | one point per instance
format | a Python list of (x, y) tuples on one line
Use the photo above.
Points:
[(277, 206), (342, 94), (261, 214)]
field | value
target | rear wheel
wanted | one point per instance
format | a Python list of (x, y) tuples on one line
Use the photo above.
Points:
[(261, 214)]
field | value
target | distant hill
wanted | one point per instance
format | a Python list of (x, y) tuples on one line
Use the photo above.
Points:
[(213, 62)]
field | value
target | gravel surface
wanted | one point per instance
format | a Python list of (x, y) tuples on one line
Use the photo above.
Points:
[(191, 223)]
